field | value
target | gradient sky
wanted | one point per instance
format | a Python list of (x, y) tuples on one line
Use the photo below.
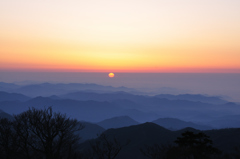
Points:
[(120, 35)]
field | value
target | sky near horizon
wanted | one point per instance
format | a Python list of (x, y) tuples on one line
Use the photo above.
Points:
[(120, 35)]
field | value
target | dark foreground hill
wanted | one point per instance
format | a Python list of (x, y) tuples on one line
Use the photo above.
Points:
[(148, 134), (90, 131), (137, 137)]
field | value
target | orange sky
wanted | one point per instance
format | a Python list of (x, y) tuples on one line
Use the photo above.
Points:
[(120, 36)]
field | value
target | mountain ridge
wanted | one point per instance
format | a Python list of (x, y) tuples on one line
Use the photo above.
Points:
[(117, 122)]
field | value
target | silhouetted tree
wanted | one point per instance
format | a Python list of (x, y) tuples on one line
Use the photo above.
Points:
[(236, 153), (189, 146), (106, 148), (157, 151), (49, 134), (195, 146), (8, 140)]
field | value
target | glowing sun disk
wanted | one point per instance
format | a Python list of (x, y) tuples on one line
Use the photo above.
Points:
[(111, 75)]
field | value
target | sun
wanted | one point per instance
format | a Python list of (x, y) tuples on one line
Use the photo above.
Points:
[(111, 75)]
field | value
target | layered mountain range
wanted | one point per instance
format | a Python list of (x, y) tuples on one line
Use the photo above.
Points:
[(95, 103)]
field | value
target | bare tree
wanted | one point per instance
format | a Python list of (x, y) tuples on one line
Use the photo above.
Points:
[(52, 135), (8, 139), (106, 148)]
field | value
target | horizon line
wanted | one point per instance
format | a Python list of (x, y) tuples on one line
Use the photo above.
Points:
[(200, 70)]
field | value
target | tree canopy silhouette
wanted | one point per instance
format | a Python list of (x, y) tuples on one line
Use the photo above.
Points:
[(196, 146), (48, 133), (189, 146), (8, 139), (39, 134), (106, 148)]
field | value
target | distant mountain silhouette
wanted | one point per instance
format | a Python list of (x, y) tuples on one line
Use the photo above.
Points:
[(137, 99), (230, 121), (194, 97), (183, 109), (48, 89), (82, 102), (92, 111), (90, 131), (139, 108), (176, 124), (4, 96), (8, 87), (138, 115), (84, 92), (111, 96), (117, 122), (54, 97)]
